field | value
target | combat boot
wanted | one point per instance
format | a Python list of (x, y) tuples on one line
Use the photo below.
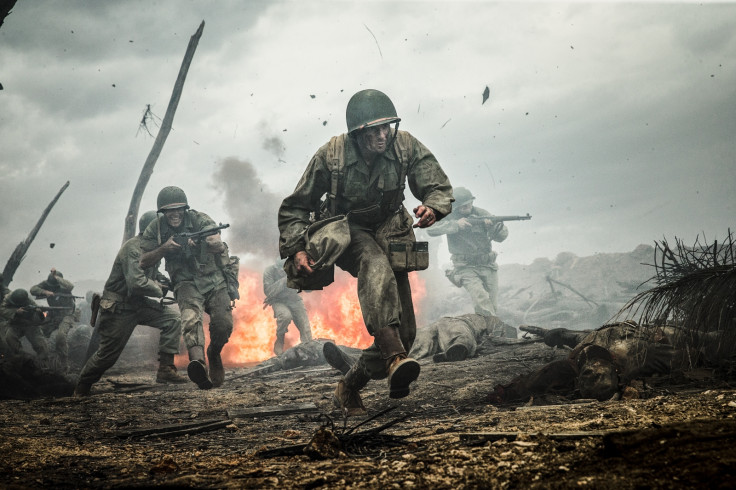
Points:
[(337, 358), (348, 400), (217, 370), (402, 371), (81, 390), (347, 394), (167, 371), (278, 346), (197, 369)]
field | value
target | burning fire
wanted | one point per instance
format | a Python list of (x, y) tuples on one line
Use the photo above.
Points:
[(334, 313)]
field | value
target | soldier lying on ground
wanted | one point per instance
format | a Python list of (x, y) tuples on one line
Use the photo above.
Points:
[(606, 360), (457, 338), (312, 353)]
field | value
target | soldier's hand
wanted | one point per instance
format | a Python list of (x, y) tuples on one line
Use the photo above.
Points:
[(426, 216), (170, 245), (463, 224), (303, 263), (214, 244)]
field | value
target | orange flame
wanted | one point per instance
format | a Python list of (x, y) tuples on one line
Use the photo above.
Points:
[(334, 313)]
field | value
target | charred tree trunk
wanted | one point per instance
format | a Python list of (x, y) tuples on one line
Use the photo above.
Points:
[(20, 251), (131, 217), (5, 10)]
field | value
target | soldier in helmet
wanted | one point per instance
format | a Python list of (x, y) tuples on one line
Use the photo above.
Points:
[(57, 291), (473, 258), (287, 306), (363, 174), (127, 301), (20, 317), (198, 281)]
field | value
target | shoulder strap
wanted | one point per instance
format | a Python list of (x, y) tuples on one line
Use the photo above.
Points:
[(335, 151), (401, 157)]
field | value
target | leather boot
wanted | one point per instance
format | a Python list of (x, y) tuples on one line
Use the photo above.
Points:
[(348, 400), (197, 369), (217, 370), (337, 358), (278, 346), (402, 370), (347, 393), (167, 371), (81, 390)]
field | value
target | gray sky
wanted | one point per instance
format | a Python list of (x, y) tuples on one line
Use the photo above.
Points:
[(612, 124)]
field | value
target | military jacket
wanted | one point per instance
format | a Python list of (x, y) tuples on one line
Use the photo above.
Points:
[(274, 285), (360, 186), (127, 279), (201, 267), (469, 245), (9, 314), (56, 285)]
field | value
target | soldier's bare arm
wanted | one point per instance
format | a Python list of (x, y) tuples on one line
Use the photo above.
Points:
[(149, 259)]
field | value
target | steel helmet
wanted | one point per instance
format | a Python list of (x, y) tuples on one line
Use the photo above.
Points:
[(145, 220), (171, 197), (369, 108), (462, 196), (19, 297)]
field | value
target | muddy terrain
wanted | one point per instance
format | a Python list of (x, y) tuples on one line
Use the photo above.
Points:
[(281, 430)]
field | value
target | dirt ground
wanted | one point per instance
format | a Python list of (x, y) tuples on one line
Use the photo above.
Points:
[(134, 433)]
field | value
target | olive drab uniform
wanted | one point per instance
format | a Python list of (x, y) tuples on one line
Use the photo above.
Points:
[(59, 321), (127, 301), (287, 306), (15, 325), (198, 282), (474, 261), (456, 338), (373, 195)]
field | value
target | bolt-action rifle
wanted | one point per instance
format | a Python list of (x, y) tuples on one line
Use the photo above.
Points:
[(60, 295), (481, 220)]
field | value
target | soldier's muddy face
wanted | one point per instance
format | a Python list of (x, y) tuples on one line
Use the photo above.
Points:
[(174, 217), (374, 139)]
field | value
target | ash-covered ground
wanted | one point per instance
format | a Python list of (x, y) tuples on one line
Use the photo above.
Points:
[(255, 432)]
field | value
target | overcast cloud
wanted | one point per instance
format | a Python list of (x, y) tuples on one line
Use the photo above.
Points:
[(611, 123)]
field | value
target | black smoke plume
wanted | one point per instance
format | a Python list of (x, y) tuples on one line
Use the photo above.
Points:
[(252, 208)]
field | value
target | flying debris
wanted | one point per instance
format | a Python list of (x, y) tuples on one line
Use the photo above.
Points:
[(313, 96), (1, 86), (486, 93), (324, 123), (52, 245)]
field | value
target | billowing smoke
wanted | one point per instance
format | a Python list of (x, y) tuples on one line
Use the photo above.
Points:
[(252, 207)]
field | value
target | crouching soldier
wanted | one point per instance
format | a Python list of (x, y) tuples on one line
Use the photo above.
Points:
[(125, 304), (21, 317)]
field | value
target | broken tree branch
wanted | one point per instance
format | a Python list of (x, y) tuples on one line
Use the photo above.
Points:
[(158, 144), (20, 251)]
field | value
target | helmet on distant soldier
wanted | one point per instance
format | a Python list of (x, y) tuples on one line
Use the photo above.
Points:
[(171, 197), (462, 196), (19, 297), (369, 108), (145, 220)]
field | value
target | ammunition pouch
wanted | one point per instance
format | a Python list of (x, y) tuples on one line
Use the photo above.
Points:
[(396, 237)]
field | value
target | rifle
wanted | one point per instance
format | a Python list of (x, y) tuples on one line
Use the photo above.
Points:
[(45, 308), (183, 238), (61, 295), (481, 220)]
